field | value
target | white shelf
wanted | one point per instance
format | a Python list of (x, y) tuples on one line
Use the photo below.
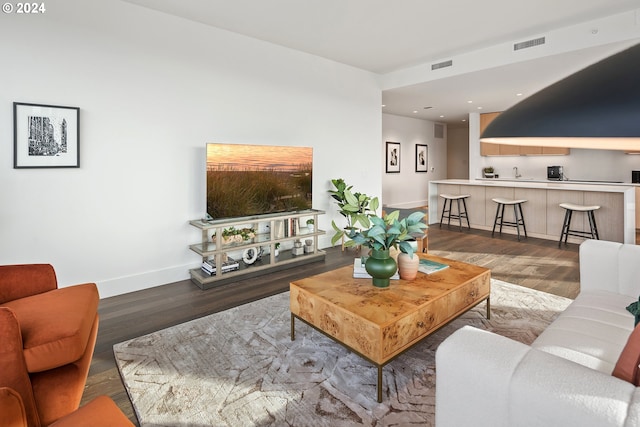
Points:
[(211, 246)]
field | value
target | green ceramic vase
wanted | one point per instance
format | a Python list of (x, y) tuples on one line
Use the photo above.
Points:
[(381, 267)]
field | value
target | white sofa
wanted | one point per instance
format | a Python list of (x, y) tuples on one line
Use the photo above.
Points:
[(564, 377)]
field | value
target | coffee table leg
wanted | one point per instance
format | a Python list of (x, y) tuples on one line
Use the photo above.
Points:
[(489, 308), (293, 327), (379, 383)]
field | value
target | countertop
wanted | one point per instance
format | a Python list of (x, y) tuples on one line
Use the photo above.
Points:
[(607, 187)]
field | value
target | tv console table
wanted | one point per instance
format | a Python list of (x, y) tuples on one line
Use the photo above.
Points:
[(283, 228)]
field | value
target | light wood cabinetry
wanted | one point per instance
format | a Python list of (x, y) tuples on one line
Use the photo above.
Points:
[(487, 149), (270, 230)]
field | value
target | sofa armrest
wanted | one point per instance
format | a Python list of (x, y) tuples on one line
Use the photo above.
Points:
[(483, 379), (20, 281), (610, 266)]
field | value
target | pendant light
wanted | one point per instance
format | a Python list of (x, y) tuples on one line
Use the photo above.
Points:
[(597, 107)]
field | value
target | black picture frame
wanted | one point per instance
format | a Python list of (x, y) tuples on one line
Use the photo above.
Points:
[(422, 158), (45, 136), (393, 157)]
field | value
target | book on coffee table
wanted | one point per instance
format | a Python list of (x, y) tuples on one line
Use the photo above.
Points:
[(429, 267), (359, 272)]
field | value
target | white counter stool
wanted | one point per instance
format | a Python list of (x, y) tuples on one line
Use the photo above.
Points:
[(518, 220), (566, 226), (462, 213)]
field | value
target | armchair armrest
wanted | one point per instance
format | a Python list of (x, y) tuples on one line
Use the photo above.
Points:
[(484, 379), (13, 368), (19, 281), (11, 408)]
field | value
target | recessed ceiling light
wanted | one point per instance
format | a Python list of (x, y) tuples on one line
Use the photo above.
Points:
[(479, 108), (384, 105), (442, 117), (469, 102), (518, 94), (415, 111), (464, 120)]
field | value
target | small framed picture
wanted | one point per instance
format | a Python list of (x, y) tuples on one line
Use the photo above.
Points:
[(45, 136), (422, 159), (393, 157)]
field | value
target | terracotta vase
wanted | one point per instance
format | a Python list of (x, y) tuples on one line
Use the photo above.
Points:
[(381, 267), (408, 267)]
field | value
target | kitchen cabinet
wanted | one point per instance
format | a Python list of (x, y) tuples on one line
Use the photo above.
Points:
[(487, 149)]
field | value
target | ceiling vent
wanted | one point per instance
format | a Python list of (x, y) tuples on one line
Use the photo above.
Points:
[(444, 64), (529, 43), (438, 130)]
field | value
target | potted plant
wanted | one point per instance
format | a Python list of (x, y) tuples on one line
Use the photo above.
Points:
[(355, 207), (488, 172), (276, 249), (380, 235), (311, 224)]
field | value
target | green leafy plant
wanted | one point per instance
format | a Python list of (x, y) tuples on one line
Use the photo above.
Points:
[(355, 207), (310, 221), (390, 231)]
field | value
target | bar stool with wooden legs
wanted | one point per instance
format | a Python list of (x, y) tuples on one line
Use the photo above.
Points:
[(462, 213), (566, 226), (517, 222)]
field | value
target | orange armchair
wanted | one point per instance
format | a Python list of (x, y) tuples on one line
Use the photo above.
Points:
[(48, 335)]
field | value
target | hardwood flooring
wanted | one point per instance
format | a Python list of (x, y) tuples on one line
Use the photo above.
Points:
[(534, 263)]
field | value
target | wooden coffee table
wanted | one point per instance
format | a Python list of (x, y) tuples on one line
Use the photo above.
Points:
[(380, 324)]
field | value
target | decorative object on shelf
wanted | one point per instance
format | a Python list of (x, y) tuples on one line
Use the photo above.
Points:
[(422, 160), (45, 136), (276, 249), (310, 225), (488, 172), (234, 235), (408, 265), (381, 267), (393, 157), (297, 248), (308, 246), (251, 255), (228, 264)]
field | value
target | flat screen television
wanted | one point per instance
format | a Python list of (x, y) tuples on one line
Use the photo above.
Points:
[(246, 180)]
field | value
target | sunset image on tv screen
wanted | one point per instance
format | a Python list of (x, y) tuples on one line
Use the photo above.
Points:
[(245, 180)]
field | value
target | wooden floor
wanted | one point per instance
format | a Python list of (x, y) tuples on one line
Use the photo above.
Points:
[(535, 263)]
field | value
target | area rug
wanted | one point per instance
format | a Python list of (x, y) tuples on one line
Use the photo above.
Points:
[(239, 367)]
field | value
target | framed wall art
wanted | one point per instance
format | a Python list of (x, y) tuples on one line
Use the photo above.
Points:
[(422, 159), (393, 157), (45, 136)]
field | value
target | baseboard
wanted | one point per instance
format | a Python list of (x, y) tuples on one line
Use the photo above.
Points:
[(138, 282), (419, 204)]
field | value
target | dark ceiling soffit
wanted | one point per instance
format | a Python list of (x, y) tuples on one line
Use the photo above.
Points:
[(602, 100)]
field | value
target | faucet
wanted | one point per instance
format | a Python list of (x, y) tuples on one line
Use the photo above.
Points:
[(516, 174)]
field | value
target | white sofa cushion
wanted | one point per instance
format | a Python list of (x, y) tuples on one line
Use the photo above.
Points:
[(592, 331)]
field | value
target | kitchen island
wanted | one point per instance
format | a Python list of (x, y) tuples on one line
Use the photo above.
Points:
[(616, 218)]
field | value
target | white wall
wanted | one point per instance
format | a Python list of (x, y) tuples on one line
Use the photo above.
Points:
[(409, 188), (152, 90)]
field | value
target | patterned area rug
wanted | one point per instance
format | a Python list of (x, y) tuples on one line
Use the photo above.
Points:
[(240, 368)]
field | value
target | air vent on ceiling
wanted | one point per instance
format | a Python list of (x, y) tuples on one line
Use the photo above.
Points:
[(438, 130), (529, 43), (444, 64)]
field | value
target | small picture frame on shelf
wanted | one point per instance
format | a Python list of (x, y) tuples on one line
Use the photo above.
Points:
[(393, 157), (45, 136), (422, 159)]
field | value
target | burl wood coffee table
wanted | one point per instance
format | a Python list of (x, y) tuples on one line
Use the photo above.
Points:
[(380, 324)]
